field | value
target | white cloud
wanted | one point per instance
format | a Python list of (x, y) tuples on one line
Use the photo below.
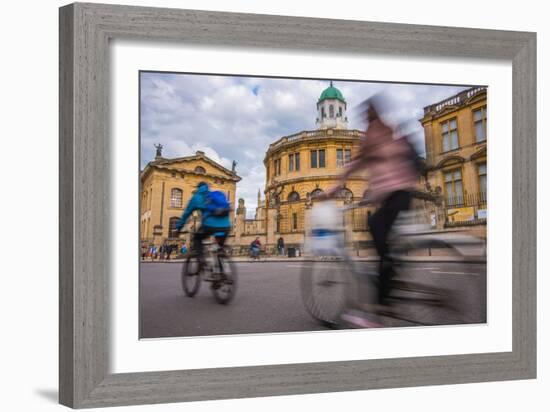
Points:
[(236, 118)]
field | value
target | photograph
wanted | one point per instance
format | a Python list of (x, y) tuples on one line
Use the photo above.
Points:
[(280, 205)]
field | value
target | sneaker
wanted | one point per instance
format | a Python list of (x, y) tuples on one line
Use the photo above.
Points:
[(361, 319)]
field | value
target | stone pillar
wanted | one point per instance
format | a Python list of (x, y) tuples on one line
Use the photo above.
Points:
[(348, 226), (157, 235), (271, 226), (240, 218)]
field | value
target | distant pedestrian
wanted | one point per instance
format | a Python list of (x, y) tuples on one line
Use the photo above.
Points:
[(255, 248), (143, 251), (281, 246)]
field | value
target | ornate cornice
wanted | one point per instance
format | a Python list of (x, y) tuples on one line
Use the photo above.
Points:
[(150, 167), (453, 103), (452, 159), (166, 165)]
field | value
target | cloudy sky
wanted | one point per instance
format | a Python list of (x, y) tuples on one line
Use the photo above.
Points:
[(236, 118)]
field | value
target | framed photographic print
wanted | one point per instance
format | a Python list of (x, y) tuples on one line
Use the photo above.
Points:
[(228, 185)]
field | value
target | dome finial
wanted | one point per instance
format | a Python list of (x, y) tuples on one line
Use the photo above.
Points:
[(331, 83)]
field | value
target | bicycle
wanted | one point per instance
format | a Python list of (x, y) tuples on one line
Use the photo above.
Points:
[(332, 284), (216, 268)]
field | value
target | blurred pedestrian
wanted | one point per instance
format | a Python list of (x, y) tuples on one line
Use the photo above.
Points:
[(390, 163), (143, 251), (255, 248), (281, 246)]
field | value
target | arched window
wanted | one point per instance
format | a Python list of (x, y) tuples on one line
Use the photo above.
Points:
[(293, 197), (176, 196), (200, 169), (316, 193), (340, 112), (172, 231), (346, 194), (323, 114), (331, 111)]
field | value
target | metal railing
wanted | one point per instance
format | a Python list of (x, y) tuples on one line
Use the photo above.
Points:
[(454, 100), (466, 210)]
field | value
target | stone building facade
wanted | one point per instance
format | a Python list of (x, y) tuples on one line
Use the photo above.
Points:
[(298, 168), (455, 132), (452, 193), (166, 187)]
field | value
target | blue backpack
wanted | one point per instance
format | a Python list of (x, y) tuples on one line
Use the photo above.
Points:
[(217, 204)]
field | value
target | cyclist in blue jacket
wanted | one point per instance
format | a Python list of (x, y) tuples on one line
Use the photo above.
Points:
[(213, 222)]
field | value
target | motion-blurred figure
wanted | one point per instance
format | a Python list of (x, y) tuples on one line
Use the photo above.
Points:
[(215, 221), (392, 165)]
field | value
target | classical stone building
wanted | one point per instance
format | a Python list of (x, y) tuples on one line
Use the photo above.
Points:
[(456, 157), (298, 168), (166, 187), (301, 166)]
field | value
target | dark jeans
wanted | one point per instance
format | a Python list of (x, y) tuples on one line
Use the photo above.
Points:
[(380, 224), (203, 233)]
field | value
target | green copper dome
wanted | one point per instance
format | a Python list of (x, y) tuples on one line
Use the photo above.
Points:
[(332, 92)]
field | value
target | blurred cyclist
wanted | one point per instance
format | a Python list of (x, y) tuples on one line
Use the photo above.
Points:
[(390, 161), (214, 210)]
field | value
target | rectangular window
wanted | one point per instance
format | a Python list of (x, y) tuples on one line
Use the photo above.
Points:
[(295, 221), (317, 158), (314, 159), (339, 157), (343, 157), (172, 231), (290, 162), (347, 156), (277, 166), (482, 173), (449, 135), (297, 161), (322, 158), (480, 124), (453, 188), (176, 198)]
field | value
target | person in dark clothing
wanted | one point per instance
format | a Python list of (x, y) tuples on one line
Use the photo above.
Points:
[(390, 161), (380, 224), (281, 246), (255, 248)]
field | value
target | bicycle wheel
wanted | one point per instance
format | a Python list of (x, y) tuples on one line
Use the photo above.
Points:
[(326, 290), (225, 284), (451, 295), (190, 276)]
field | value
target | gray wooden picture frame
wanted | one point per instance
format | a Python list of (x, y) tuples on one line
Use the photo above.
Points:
[(85, 31)]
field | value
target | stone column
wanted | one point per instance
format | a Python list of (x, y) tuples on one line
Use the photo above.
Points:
[(271, 226)]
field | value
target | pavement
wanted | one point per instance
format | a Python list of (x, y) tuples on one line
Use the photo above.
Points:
[(269, 299)]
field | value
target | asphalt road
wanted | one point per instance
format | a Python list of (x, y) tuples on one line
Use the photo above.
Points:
[(268, 299)]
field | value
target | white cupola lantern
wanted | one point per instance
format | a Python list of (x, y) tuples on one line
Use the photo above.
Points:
[(331, 109)]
